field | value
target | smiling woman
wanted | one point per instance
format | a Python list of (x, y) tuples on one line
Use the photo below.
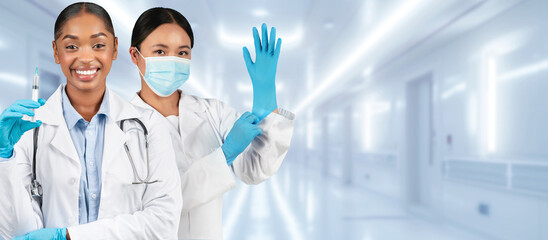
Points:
[(85, 52), (86, 167)]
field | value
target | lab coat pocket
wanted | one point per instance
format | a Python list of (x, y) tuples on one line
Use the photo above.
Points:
[(121, 174), (134, 196), (126, 197)]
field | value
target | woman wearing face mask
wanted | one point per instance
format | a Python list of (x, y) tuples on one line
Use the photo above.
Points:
[(98, 178), (210, 138)]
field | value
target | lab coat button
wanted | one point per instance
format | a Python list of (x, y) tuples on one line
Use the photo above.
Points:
[(72, 180), (94, 196)]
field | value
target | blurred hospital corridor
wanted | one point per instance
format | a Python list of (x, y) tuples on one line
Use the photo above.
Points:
[(301, 203)]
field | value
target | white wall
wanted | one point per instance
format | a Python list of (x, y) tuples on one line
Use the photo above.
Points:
[(23, 46)]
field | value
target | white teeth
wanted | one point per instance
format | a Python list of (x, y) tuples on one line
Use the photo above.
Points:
[(86, 72)]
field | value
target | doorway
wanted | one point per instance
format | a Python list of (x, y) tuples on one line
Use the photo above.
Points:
[(420, 167)]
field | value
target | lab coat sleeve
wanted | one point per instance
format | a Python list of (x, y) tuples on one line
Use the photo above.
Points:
[(264, 156), (20, 213), (162, 201), (206, 178)]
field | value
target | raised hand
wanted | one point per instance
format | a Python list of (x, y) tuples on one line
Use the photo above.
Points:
[(263, 71)]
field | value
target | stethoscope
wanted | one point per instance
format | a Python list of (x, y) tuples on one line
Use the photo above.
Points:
[(35, 188), (145, 131)]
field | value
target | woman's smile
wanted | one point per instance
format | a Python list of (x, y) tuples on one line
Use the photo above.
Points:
[(85, 73)]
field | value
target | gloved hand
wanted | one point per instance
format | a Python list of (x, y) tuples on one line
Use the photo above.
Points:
[(45, 234), (263, 71), (245, 129), (12, 126)]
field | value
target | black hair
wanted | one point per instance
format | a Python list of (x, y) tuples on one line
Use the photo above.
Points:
[(152, 19), (76, 9)]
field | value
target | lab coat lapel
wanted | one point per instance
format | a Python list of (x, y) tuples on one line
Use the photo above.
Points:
[(198, 134), (191, 114), (115, 138), (114, 144), (52, 114), (63, 142)]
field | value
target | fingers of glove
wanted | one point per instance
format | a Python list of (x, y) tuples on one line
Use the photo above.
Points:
[(42, 101), (278, 47), (27, 103), (257, 131), (21, 109), (247, 58), (27, 125), (253, 119), (245, 115), (257, 40), (8, 114), (265, 37), (271, 46)]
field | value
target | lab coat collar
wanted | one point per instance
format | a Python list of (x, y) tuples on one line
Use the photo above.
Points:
[(187, 103), (193, 111), (138, 101), (190, 103), (121, 109), (72, 117), (52, 112), (190, 111)]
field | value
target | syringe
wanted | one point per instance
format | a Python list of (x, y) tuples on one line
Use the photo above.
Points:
[(35, 86)]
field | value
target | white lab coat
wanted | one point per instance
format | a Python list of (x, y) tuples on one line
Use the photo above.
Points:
[(127, 211), (205, 175)]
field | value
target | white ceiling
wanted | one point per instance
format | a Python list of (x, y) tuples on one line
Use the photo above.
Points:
[(324, 53)]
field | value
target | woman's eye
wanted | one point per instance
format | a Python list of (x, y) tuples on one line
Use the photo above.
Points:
[(183, 53), (71, 47), (99, 45), (161, 52)]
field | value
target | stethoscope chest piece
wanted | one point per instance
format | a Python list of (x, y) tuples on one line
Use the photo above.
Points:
[(36, 190)]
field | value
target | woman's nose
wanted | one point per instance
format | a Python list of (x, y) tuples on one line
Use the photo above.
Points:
[(86, 55)]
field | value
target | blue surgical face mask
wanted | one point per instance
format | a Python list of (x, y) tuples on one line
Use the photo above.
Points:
[(164, 75)]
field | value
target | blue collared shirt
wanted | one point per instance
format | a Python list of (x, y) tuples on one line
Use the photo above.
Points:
[(88, 138)]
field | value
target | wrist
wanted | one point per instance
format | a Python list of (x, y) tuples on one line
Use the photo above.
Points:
[(229, 156), (263, 107), (264, 88)]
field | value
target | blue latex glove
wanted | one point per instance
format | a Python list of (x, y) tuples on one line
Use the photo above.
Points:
[(12, 126), (263, 71), (245, 129), (45, 234)]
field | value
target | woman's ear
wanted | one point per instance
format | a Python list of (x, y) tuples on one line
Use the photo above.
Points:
[(55, 52), (115, 53), (134, 55)]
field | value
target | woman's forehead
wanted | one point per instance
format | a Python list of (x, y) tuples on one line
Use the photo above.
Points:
[(85, 25), (169, 33)]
